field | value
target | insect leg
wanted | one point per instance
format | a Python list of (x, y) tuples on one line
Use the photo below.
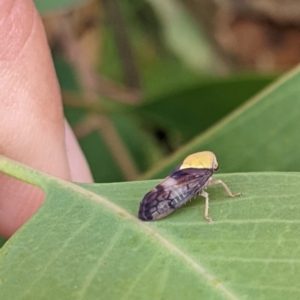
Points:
[(205, 195), (226, 188)]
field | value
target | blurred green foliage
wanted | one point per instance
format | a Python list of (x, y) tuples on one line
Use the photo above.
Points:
[(2, 241), (180, 103), (45, 6)]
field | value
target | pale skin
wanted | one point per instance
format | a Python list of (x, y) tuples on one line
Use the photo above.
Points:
[(206, 196), (33, 129)]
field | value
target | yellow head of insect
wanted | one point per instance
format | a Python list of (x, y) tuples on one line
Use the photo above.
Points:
[(200, 160)]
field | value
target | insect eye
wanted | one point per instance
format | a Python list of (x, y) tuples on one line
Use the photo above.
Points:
[(216, 167)]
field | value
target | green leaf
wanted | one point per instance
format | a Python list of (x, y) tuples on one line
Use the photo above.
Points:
[(183, 36), (45, 6), (2, 241), (261, 135), (81, 245), (193, 109)]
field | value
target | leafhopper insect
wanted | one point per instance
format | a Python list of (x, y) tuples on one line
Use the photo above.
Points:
[(188, 180)]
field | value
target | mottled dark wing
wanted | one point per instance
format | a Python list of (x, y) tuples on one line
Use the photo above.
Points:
[(173, 192)]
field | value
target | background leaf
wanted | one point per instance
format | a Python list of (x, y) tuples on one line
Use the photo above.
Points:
[(193, 109), (262, 135), (2, 241), (183, 37), (45, 6)]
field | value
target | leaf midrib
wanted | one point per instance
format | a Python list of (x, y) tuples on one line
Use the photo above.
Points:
[(165, 242)]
